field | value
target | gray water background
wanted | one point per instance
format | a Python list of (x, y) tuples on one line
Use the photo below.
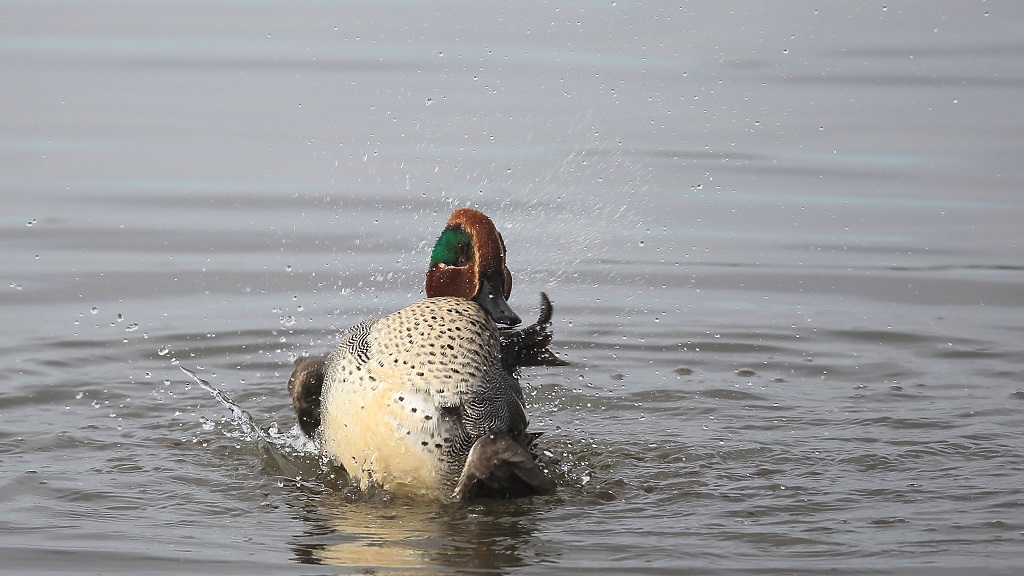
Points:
[(783, 240)]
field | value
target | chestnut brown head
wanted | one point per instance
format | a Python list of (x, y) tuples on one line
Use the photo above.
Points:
[(468, 261)]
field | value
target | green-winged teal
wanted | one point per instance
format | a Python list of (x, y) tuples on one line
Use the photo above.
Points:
[(426, 400)]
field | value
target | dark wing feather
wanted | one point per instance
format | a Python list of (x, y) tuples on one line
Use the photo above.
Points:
[(529, 346), (305, 385)]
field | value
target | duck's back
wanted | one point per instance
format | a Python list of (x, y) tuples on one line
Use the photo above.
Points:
[(406, 395)]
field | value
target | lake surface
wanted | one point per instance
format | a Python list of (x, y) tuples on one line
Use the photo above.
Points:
[(784, 243)]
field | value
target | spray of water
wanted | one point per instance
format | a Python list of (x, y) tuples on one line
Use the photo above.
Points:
[(283, 454)]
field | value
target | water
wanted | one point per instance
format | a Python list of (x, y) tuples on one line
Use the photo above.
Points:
[(783, 244)]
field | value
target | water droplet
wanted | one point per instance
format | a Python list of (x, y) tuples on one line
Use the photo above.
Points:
[(132, 327), (31, 222), (163, 351), (94, 310)]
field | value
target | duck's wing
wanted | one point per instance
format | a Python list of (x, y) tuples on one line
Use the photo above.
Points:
[(499, 466), (307, 380), (305, 386), (529, 346)]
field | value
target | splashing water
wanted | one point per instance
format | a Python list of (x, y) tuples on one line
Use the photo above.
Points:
[(243, 420), (277, 449)]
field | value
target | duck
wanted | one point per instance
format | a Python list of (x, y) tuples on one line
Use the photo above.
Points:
[(426, 401), (519, 348)]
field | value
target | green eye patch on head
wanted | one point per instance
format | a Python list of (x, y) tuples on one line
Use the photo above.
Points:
[(453, 248)]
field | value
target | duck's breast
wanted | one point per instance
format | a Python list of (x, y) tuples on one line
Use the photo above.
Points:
[(395, 387)]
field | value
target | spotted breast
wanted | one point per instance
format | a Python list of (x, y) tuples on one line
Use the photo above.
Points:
[(413, 391)]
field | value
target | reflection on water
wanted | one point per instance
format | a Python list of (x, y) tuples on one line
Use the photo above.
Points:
[(399, 538)]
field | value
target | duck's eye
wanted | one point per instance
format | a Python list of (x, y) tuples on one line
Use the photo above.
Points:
[(453, 248)]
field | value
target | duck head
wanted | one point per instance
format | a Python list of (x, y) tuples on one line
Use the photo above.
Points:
[(468, 261)]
